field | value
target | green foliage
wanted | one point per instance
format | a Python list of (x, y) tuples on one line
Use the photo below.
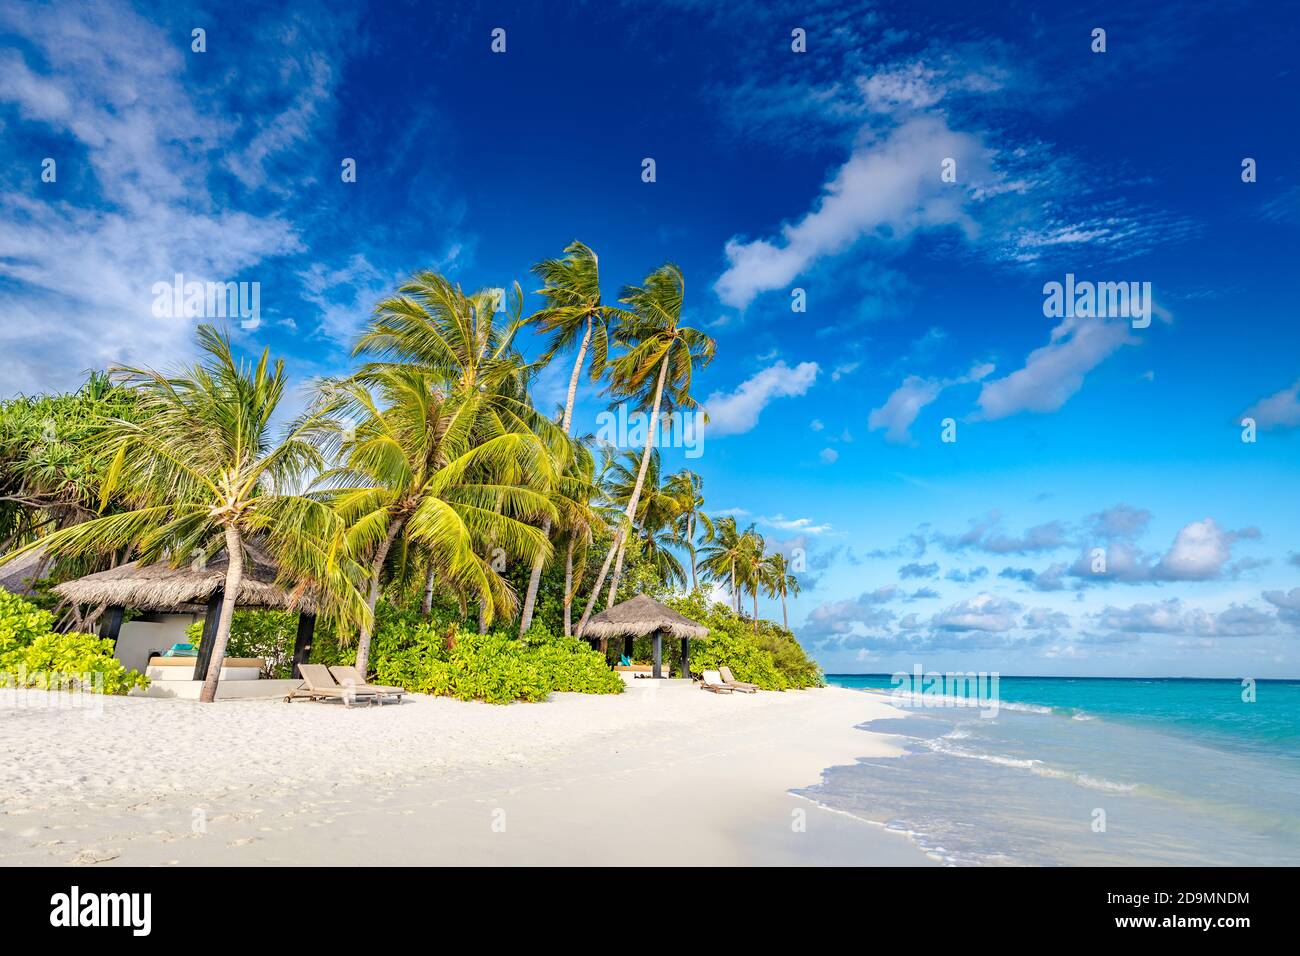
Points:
[(31, 655), (772, 658), (269, 635), (441, 656), (21, 622), (50, 474)]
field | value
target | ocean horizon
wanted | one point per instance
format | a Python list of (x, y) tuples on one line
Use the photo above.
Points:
[(1086, 771)]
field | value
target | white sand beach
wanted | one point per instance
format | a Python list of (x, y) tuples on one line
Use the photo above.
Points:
[(664, 774)]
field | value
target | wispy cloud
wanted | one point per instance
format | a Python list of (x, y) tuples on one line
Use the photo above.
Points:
[(733, 413)]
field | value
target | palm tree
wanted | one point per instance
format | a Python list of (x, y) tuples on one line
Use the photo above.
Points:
[(577, 518), (657, 511), (688, 488), (721, 555), (662, 350), (573, 315), (434, 326), (779, 582), (411, 467), (749, 565), (201, 470)]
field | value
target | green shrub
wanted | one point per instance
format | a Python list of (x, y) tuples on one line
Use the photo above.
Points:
[(21, 622), (31, 655), (440, 656), (772, 658)]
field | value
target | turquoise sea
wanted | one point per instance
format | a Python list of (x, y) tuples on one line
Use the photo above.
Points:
[(1086, 771)]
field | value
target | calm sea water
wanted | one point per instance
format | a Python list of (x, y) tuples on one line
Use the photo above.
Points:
[(1086, 771)]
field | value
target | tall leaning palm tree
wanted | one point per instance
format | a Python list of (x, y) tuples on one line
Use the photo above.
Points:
[(779, 582), (656, 370), (574, 315), (201, 471), (433, 326), (688, 488), (412, 468)]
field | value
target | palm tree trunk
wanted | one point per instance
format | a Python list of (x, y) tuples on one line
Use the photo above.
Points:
[(372, 598), (690, 546), (630, 514), (755, 608), (426, 606), (735, 597), (573, 379), (482, 617), (234, 576), (534, 582), (785, 618), (535, 576), (618, 573), (568, 591)]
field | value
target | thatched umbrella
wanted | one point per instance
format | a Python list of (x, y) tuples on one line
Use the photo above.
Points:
[(197, 586), (641, 616)]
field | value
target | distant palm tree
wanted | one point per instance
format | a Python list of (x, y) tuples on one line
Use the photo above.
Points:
[(657, 512), (201, 472), (573, 315), (721, 555), (410, 467), (779, 582), (663, 351), (688, 488)]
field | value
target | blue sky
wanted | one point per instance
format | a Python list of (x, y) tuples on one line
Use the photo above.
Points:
[(776, 170)]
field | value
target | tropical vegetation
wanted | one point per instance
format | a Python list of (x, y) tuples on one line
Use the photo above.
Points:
[(457, 537)]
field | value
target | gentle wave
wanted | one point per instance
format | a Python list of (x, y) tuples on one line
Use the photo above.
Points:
[(1028, 763)]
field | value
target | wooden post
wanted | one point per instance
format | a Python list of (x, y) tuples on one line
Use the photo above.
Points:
[(686, 658), (210, 621), (302, 643), (659, 654), (111, 624), (627, 647)]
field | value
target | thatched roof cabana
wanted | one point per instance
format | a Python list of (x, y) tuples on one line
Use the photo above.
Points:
[(197, 587), (641, 616), (162, 587)]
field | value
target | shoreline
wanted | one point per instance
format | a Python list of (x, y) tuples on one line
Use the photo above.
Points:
[(663, 774)]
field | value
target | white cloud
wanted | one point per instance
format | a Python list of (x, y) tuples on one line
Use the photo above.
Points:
[(889, 188), (804, 525), (1053, 373), (829, 456), (78, 277), (1279, 410), (984, 612), (737, 412), (901, 408), (1199, 552), (1170, 617), (906, 402)]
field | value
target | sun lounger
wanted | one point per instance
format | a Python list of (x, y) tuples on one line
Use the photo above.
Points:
[(349, 676), (712, 680), (319, 685), (740, 685)]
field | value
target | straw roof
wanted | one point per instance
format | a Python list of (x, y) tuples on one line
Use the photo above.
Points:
[(640, 616), (162, 587), (18, 576)]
